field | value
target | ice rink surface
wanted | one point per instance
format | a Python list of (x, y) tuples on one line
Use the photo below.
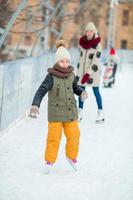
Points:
[(105, 157)]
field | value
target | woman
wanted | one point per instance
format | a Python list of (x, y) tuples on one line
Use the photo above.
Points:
[(88, 68)]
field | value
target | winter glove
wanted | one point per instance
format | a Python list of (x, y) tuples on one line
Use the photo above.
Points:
[(34, 111), (85, 78), (83, 95), (90, 81)]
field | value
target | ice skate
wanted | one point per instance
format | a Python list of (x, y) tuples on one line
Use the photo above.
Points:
[(80, 114), (73, 163), (48, 167), (100, 117)]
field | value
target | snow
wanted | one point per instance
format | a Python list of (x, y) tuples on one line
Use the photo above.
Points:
[(105, 157)]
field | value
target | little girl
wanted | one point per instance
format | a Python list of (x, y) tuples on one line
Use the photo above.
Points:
[(61, 85)]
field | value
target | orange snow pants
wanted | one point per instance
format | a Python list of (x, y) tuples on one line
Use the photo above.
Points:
[(71, 131)]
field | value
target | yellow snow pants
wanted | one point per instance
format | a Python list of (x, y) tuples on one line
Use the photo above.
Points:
[(72, 133)]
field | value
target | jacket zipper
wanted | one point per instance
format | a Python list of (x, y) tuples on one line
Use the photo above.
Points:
[(66, 99), (58, 90)]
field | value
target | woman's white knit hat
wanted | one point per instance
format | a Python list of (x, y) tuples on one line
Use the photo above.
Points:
[(91, 27), (62, 51)]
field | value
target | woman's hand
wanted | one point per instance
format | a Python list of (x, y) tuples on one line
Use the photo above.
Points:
[(85, 78), (34, 111)]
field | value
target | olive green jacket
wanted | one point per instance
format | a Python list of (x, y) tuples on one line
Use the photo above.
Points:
[(61, 101)]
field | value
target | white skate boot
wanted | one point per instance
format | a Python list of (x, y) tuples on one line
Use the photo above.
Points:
[(80, 114), (48, 167), (73, 163), (100, 117)]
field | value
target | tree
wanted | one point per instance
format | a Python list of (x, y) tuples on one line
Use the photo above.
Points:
[(5, 13)]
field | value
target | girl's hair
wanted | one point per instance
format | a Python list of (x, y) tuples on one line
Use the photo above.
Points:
[(61, 43)]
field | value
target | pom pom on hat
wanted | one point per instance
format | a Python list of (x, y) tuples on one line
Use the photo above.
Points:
[(62, 52), (61, 43)]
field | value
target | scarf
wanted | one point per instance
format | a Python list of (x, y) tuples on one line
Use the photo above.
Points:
[(59, 71), (87, 44)]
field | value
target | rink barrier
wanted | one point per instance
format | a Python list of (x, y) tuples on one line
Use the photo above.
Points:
[(18, 81)]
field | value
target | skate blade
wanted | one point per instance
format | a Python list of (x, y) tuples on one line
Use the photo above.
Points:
[(74, 168), (100, 121)]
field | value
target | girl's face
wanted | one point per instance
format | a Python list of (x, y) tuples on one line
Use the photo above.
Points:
[(64, 63), (89, 34)]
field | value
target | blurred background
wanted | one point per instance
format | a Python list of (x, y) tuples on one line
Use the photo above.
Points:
[(29, 28)]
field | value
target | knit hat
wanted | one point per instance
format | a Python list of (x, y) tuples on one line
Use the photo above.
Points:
[(62, 51), (91, 27)]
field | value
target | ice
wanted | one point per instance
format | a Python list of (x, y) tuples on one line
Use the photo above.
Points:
[(105, 157)]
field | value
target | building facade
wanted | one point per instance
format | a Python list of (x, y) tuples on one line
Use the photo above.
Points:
[(28, 35)]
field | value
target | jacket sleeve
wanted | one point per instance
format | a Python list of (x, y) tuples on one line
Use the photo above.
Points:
[(94, 67), (45, 86), (76, 88)]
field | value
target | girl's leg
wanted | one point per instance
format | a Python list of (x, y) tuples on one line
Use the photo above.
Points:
[(81, 103), (72, 134), (98, 97), (53, 141)]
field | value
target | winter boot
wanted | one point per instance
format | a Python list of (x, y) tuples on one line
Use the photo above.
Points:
[(47, 167), (80, 114), (73, 163), (100, 116)]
